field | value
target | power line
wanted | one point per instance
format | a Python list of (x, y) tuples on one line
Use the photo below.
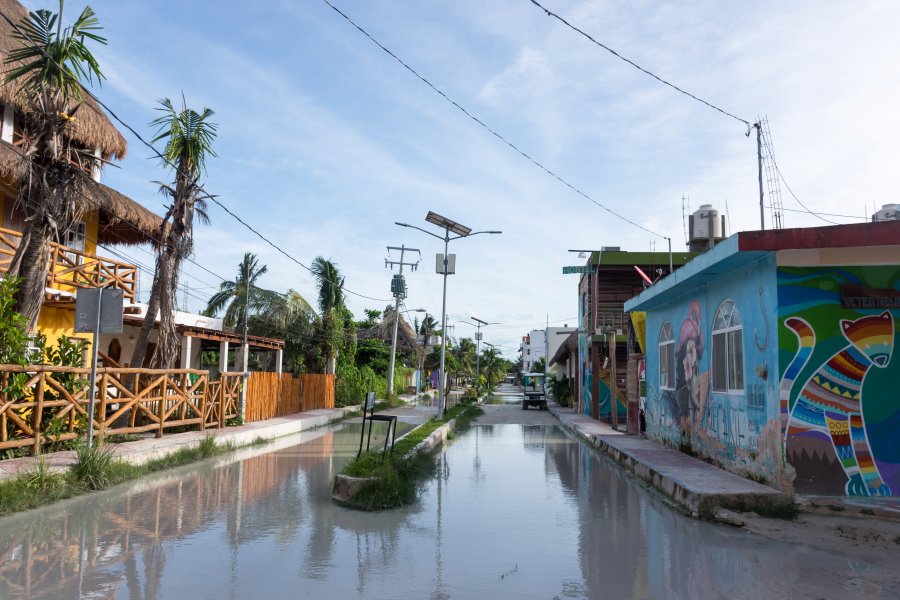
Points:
[(794, 196), (637, 66), (171, 164), (487, 127)]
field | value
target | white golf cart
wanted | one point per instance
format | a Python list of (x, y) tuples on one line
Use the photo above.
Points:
[(534, 391)]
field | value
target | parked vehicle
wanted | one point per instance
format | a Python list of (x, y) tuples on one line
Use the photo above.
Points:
[(534, 391)]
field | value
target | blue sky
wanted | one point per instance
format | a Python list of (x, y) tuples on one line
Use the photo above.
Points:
[(325, 141)]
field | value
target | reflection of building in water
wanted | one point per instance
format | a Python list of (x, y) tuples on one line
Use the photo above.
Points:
[(117, 539), (632, 545)]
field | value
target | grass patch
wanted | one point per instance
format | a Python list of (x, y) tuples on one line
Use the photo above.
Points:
[(396, 474), (94, 469)]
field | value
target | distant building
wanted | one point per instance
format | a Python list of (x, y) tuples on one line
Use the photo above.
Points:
[(771, 356), (533, 349)]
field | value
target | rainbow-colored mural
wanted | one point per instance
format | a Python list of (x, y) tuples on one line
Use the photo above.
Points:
[(840, 411)]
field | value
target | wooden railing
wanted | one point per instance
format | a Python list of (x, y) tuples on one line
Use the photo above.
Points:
[(49, 404), (272, 395), (70, 268)]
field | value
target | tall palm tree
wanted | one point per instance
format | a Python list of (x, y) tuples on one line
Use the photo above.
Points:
[(51, 64), (188, 136), (331, 302), (240, 294)]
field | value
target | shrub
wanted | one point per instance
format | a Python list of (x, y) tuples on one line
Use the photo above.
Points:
[(92, 466)]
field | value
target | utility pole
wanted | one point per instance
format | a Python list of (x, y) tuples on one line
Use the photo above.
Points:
[(245, 351), (478, 349), (398, 288), (762, 211)]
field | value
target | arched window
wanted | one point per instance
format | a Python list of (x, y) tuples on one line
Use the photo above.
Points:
[(666, 357), (728, 349)]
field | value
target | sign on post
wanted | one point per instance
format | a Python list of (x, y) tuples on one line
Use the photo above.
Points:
[(87, 303), (97, 310)]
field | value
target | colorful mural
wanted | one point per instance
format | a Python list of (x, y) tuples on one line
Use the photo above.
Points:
[(736, 427), (585, 367), (839, 408)]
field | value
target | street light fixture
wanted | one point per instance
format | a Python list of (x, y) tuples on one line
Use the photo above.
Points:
[(449, 226)]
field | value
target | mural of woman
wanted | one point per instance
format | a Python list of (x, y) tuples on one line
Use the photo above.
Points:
[(688, 378)]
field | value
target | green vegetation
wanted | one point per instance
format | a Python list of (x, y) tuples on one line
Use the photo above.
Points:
[(395, 475), (95, 469)]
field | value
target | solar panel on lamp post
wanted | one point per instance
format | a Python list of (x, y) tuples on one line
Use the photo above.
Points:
[(449, 226)]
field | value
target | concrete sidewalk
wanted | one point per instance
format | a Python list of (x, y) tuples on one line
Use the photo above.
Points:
[(146, 449), (692, 484)]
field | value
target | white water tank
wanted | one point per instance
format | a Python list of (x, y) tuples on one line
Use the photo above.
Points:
[(888, 212), (707, 223)]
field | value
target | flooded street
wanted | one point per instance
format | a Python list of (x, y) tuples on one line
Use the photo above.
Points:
[(515, 511)]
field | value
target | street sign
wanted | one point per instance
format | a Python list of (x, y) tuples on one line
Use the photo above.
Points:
[(87, 301), (580, 269)]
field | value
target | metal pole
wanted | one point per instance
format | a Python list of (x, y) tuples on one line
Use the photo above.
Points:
[(441, 388), (762, 214), (93, 391), (478, 353), (245, 354), (670, 254), (390, 375)]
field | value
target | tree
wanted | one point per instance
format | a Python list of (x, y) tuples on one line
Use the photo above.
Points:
[(188, 136), (51, 64), (331, 303), (240, 293)]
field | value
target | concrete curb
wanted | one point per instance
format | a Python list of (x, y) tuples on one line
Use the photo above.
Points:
[(142, 451), (696, 487), (345, 488)]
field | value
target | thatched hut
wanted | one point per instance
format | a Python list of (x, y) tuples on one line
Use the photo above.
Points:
[(121, 219)]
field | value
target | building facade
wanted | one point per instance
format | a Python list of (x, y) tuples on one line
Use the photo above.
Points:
[(771, 356)]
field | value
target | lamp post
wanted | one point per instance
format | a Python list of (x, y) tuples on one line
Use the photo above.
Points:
[(449, 226), (478, 324)]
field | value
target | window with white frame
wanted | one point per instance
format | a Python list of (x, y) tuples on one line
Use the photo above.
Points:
[(728, 349), (74, 239), (666, 357)]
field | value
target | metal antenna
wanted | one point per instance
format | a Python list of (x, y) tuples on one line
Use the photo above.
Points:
[(773, 181)]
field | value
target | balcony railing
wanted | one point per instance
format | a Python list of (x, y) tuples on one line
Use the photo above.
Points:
[(71, 269)]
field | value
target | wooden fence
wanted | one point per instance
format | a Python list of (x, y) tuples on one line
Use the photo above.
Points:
[(44, 404), (271, 395)]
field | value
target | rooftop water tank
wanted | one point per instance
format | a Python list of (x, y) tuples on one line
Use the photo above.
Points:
[(888, 212), (707, 227)]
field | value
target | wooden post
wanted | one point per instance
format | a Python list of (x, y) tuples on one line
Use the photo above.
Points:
[(37, 413), (613, 386), (162, 407), (221, 399), (203, 404)]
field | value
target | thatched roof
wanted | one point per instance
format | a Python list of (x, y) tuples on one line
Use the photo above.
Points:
[(406, 335), (91, 128), (122, 220)]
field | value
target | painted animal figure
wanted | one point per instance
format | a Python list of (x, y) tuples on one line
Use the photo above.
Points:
[(831, 399)]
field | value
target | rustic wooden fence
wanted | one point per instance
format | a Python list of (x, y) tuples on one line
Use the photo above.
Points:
[(41, 404), (272, 395)]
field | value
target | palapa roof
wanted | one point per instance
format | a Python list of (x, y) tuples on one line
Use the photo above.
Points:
[(406, 335), (122, 220), (91, 127)]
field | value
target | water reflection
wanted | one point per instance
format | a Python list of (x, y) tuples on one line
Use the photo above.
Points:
[(513, 512)]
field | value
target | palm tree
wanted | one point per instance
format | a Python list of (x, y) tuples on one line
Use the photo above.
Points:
[(493, 368), (465, 355), (425, 329), (188, 136), (331, 302), (235, 294), (50, 64)]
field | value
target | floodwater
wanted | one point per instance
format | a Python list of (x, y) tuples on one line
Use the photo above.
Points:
[(515, 511)]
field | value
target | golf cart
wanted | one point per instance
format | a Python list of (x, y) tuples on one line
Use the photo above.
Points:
[(534, 391)]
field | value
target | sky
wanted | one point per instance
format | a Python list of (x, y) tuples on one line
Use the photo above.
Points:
[(324, 140)]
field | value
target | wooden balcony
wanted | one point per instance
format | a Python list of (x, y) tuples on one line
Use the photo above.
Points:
[(71, 269)]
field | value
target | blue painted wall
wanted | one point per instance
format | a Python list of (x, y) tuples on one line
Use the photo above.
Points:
[(739, 431)]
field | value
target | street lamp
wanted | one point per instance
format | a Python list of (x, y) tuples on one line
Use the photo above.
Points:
[(449, 226), (480, 323)]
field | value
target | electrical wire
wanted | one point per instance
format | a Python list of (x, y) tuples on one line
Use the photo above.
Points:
[(487, 127), (199, 186), (637, 66), (794, 196)]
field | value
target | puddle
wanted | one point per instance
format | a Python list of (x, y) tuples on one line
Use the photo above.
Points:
[(516, 511)]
